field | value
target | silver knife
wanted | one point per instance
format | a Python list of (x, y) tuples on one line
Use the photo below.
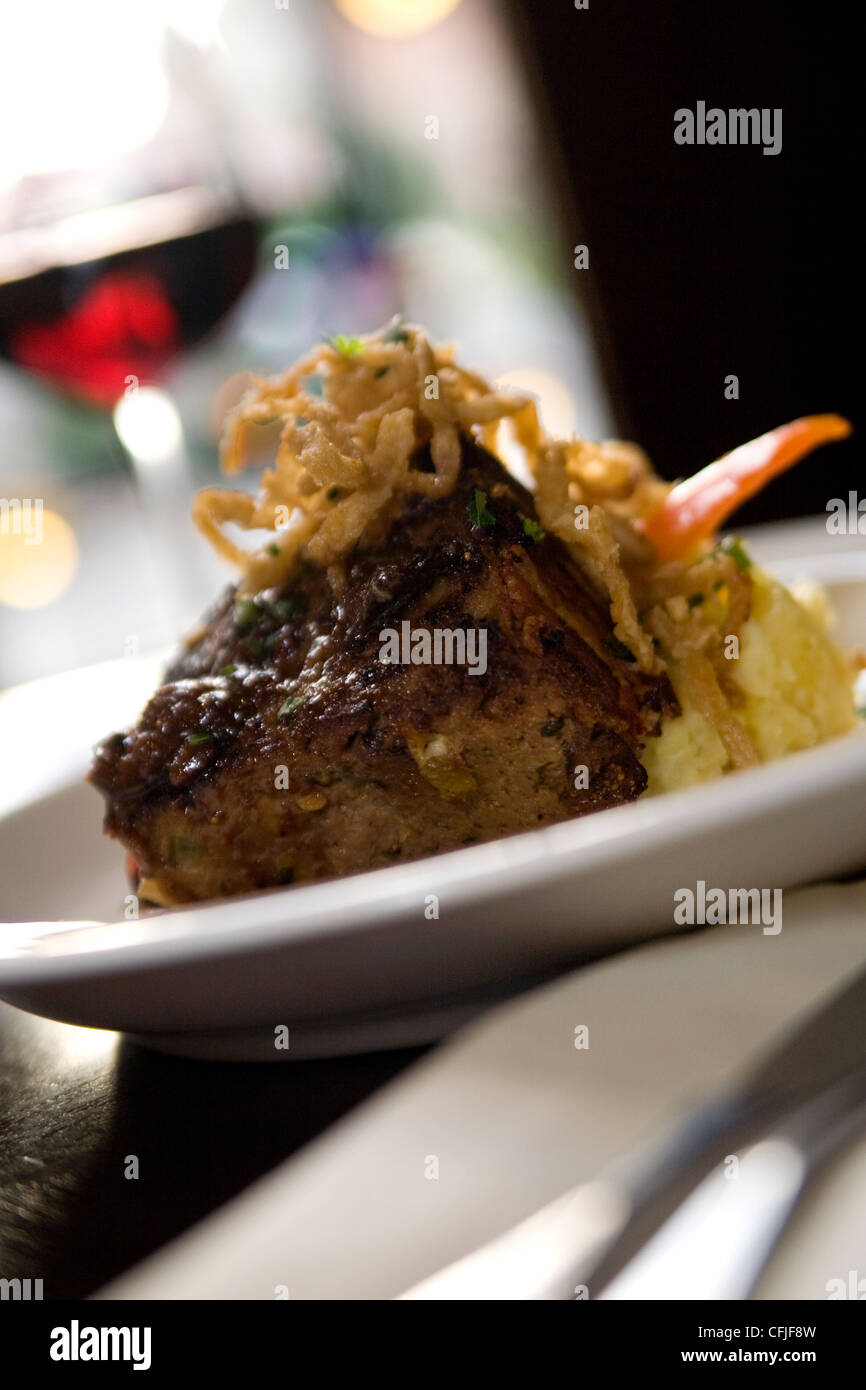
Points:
[(718, 1243), (576, 1245)]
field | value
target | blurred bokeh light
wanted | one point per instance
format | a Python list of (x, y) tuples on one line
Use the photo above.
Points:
[(32, 575), (395, 18)]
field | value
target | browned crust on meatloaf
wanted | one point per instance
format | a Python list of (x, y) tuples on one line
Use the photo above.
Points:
[(385, 763)]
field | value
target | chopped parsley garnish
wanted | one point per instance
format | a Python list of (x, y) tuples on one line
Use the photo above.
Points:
[(619, 649), (380, 372), (315, 384), (229, 669), (733, 546), (349, 347), (695, 600), (533, 529), (289, 706), (478, 513), (396, 335), (180, 847), (254, 645), (323, 777), (284, 608), (550, 728), (247, 612), (274, 549), (199, 738)]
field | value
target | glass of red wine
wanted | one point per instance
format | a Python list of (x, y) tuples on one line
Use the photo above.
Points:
[(104, 299)]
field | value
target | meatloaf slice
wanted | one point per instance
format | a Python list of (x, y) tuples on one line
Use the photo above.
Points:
[(282, 747)]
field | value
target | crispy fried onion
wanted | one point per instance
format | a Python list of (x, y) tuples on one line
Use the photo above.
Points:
[(692, 611), (353, 413)]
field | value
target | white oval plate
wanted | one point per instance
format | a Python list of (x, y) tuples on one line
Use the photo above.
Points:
[(357, 964)]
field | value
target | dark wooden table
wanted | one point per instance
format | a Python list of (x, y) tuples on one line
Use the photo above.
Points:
[(76, 1103)]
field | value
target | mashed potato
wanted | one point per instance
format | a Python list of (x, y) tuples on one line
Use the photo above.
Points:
[(797, 685)]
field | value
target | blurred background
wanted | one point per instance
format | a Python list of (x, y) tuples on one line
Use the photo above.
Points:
[(191, 190)]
